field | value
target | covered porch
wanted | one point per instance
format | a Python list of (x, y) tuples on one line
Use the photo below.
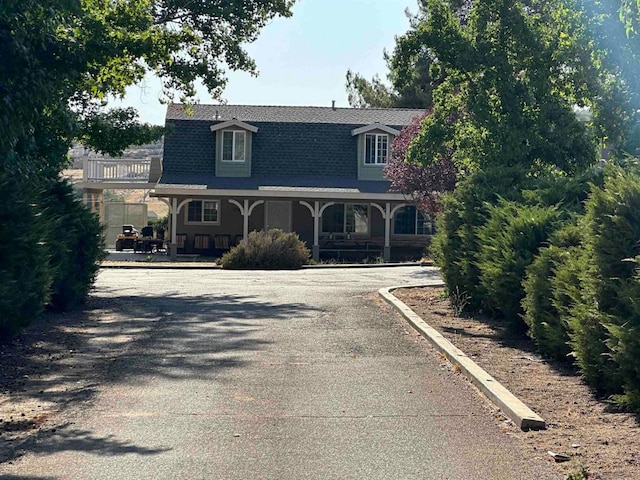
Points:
[(345, 225)]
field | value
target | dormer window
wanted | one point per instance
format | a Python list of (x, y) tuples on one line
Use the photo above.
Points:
[(234, 146), (376, 148), (234, 142)]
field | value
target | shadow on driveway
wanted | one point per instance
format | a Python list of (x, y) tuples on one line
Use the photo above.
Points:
[(61, 361)]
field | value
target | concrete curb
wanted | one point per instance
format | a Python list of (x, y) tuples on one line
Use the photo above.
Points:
[(516, 410), (209, 266), (160, 265)]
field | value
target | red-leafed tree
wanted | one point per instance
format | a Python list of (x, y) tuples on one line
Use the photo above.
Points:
[(422, 184)]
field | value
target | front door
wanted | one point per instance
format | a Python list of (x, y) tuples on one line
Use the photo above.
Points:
[(278, 215)]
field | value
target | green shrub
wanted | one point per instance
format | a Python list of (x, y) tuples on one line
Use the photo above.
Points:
[(75, 245), (26, 279), (574, 297), (456, 245), (508, 243), (453, 250), (625, 342), (546, 327), (273, 249), (612, 229)]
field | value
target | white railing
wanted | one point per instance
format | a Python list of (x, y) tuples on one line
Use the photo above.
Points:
[(116, 170)]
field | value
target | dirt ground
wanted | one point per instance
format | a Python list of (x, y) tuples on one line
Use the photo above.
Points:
[(589, 431)]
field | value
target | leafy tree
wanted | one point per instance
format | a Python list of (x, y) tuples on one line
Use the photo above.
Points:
[(630, 15), (410, 77), (410, 83), (67, 56), (422, 184), (509, 90), (363, 93), (503, 113), (59, 62)]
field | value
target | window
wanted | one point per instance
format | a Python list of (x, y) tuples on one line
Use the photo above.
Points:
[(234, 145), (376, 148), (410, 221), (346, 218), (203, 211)]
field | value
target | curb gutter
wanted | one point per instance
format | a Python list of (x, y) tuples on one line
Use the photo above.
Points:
[(514, 408)]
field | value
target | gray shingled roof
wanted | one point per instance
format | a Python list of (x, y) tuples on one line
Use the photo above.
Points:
[(254, 113)]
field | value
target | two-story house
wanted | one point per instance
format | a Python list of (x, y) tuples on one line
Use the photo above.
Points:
[(316, 171)]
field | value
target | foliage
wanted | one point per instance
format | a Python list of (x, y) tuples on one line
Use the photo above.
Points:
[(574, 298), (423, 185), (458, 301), (273, 249), (363, 93), (509, 240), (544, 299), (455, 246), (582, 474), (503, 113), (545, 326), (612, 230), (74, 245), (160, 225), (410, 84), (75, 54), (506, 99), (411, 79), (59, 62), (25, 277), (595, 284)]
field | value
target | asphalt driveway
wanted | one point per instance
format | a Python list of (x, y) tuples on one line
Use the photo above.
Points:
[(269, 375)]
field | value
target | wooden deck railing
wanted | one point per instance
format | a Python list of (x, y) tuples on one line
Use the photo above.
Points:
[(116, 170)]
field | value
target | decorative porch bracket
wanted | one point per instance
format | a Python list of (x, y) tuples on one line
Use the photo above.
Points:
[(388, 213), (316, 212), (245, 211)]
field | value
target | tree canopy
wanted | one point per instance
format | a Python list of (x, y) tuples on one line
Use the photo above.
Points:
[(60, 59), (513, 75), (422, 184)]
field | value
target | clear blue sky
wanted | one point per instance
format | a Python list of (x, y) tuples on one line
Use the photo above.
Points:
[(303, 59)]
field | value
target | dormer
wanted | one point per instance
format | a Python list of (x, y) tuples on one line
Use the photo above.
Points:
[(374, 149), (233, 148)]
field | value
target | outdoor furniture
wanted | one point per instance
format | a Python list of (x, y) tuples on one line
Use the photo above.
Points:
[(181, 242), (202, 243), (222, 244), (350, 248)]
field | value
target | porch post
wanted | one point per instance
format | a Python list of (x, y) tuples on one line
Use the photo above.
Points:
[(245, 211), (387, 233), (316, 231), (316, 213), (173, 250), (245, 225)]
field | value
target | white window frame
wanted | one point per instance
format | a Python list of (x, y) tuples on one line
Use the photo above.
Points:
[(415, 224), (344, 221), (383, 159), (233, 146), (201, 222)]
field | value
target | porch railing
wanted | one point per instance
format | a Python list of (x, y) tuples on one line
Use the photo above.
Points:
[(116, 170)]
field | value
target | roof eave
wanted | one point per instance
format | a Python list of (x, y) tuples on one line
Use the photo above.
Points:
[(375, 126), (233, 123), (203, 191)]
